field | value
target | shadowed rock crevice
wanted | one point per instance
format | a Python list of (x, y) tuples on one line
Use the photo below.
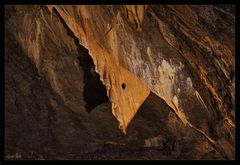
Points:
[(94, 91)]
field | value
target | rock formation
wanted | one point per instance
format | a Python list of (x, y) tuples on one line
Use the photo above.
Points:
[(165, 72)]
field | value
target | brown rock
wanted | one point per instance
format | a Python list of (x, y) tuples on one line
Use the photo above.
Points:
[(166, 72)]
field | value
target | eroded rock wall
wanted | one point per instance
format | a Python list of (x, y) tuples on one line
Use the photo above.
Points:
[(183, 54), (176, 59)]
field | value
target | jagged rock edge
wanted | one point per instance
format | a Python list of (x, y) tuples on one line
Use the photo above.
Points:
[(122, 123)]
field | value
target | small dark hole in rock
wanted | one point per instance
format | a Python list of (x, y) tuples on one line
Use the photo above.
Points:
[(123, 86)]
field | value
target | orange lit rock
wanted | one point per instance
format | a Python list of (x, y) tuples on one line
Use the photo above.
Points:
[(125, 91)]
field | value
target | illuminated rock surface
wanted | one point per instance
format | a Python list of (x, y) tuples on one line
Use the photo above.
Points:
[(74, 75)]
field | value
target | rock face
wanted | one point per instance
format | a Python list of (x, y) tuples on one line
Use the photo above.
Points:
[(166, 73)]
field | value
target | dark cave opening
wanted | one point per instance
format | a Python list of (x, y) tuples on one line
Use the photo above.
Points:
[(94, 92)]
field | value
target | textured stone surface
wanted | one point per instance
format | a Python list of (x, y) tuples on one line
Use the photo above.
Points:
[(182, 54)]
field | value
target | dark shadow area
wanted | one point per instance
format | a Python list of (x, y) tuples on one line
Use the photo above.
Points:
[(150, 122), (94, 92), (151, 115)]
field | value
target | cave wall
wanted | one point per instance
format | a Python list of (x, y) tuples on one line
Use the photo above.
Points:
[(180, 59), (182, 54)]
